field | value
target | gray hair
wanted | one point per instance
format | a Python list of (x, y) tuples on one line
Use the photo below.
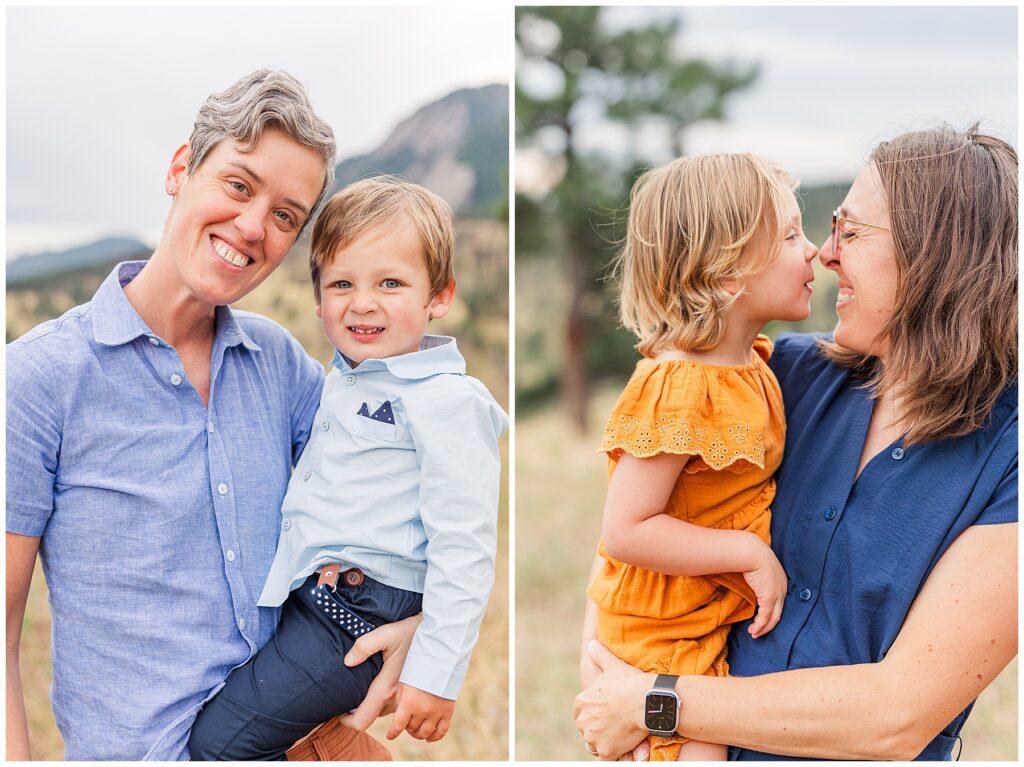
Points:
[(266, 98)]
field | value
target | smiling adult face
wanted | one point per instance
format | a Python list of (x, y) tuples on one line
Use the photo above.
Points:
[(234, 219), (865, 262)]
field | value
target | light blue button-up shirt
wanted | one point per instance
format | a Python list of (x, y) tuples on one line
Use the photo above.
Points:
[(400, 478), (158, 515)]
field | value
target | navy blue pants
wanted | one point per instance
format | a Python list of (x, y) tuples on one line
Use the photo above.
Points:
[(299, 680)]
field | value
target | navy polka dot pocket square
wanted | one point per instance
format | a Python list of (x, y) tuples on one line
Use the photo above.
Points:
[(383, 414)]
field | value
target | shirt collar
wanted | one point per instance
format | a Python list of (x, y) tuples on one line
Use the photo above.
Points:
[(436, 355), (115, 321)]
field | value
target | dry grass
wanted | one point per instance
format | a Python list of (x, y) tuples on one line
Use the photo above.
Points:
[(560, 483)]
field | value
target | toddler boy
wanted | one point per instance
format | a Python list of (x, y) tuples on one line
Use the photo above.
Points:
[(392, 508)]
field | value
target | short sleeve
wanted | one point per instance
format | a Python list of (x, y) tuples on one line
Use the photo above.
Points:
[(717, 414), (1002, 507), (34, 428)]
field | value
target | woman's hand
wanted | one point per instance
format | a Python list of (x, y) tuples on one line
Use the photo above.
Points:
[(610, 712), (768, 580), (392, 639)]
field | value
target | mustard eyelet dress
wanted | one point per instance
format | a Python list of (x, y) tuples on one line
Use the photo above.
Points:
[(731, 420)]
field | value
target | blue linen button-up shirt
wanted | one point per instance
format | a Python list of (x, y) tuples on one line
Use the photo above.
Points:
[(400, 479), (158, 515), (858, 552)]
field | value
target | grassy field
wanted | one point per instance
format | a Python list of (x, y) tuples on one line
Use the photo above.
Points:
[(560, 482), (480, 727)]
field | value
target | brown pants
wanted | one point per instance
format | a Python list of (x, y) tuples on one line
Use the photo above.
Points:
[(333, 742)]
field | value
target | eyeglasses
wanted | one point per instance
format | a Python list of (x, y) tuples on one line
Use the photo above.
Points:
[(838, 220)]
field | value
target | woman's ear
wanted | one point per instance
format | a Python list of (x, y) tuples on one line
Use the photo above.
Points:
[(176, 172), (442, 302), (732, 286)]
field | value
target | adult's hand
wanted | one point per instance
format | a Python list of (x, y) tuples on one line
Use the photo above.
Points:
[(609, 713), (392, 639)]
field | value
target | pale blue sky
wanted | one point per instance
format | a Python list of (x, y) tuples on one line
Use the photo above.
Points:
[(836, 80), (98, 99)]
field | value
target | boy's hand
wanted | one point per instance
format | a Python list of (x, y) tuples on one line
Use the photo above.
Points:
[(768, 580), (422, 715)]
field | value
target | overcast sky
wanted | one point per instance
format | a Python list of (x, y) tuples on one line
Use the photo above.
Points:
[(835, 81), (98, 99)]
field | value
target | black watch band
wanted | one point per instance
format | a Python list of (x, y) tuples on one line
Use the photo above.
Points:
[(661, 706)]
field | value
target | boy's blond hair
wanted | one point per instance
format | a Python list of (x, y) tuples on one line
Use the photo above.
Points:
[(694, 225), (385, 201)]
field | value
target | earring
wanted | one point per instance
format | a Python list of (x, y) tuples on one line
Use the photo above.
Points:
[(170, 189)]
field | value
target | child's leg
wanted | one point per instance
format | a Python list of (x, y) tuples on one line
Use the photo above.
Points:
[(299, 679), (699, 751)]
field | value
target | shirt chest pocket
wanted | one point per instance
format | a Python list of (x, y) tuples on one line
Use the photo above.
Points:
[(369, 427)]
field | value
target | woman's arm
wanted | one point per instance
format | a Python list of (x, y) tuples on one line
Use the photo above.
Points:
[(961, 631), (589, 671), (21, 560)]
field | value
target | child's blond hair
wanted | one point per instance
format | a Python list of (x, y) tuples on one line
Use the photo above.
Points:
[(694, 225), (384, 201)]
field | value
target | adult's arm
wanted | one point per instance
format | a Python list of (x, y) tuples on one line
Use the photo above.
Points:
[(961, 631), (21, 558)]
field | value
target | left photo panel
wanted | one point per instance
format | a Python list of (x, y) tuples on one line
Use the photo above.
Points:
[(257, 365)]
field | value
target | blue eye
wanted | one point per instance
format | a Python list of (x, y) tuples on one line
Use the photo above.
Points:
[(391, 284)]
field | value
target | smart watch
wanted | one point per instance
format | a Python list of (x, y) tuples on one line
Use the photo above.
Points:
[(661, 706)]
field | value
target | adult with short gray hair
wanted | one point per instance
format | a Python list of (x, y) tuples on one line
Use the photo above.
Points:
[(150, 437)]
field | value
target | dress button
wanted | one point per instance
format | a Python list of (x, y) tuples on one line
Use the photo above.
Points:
[(176, 379), (324, 426), (830, 513), (230, 555), (805, 595), (286, 525), (307, 474), (897, 453), (154, 341), (350, 379), (222, 489)]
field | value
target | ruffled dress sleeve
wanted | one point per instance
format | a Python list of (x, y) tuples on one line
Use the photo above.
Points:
[(721, 415)]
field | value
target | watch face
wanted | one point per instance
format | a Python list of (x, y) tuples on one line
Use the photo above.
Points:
[(660, 712)]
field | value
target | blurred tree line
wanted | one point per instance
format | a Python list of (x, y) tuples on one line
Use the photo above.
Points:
[(575, 73)]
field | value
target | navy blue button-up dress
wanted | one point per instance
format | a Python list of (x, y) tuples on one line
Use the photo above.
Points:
[(858, 553)]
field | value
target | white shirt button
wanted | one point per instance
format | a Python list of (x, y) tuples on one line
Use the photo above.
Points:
[(230, 555), (307, 474), (176, 379), (222, 489), (286, 525), (350, 379), (241, 623), (324, 426), (154, 341), (209, 428)]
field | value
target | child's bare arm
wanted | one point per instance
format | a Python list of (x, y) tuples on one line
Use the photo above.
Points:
[(421, 714), (636, 531)]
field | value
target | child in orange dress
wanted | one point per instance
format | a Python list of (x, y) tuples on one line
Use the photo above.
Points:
[(715, 250)]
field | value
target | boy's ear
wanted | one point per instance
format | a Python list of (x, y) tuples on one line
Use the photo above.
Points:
[(442, 302), (318, 309), (176, 171)]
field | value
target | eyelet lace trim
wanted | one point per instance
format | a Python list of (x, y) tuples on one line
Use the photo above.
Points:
[(717, 448)]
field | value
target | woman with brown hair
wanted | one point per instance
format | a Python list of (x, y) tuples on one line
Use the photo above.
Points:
[(896, 506)]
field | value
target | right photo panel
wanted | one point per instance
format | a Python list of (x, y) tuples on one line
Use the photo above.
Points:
[(766, 447)]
